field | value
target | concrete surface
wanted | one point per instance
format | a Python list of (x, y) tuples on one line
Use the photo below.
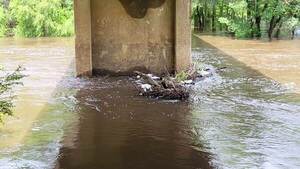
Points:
[(119, 36)]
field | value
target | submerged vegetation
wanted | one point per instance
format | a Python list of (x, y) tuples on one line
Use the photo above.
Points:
[(7, 82), (247, 18), (36, 18)]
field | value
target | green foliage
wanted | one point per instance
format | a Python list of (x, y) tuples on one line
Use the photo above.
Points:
[(238, 28), (291, 23), (239, 8), (7, 82), (2, 21), (247, 18), (275, 8), (37, 18)]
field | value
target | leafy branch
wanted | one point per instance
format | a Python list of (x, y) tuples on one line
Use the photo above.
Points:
[(7, 82)]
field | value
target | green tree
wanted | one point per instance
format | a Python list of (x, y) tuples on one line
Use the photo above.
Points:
[(247, 18), (35, 18)]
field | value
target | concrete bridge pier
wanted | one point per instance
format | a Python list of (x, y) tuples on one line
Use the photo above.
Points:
[(119, 36)]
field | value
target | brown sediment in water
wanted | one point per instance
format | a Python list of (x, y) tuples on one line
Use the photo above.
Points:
[(116, 128), (45, 69), (279, 59)]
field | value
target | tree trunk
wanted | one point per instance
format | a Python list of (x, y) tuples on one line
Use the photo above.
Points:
[(258, 30), (197, 20), (205, 16), (227, 14), (213, 20), (249, 17), (277, 34), (272, 26), (270, 30), (221, 14), (293, 33), (202, 18)]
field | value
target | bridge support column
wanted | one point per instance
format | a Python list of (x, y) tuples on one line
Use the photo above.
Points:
[(83, 39), (183, 40), (145, 42)]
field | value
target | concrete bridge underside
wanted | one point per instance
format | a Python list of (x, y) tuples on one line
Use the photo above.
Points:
[(119, 36)]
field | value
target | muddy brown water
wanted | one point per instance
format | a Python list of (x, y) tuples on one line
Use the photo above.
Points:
[(241, 118)]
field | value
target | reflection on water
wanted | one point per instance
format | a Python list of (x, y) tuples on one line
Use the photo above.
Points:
[(240, 118), (117, 129)]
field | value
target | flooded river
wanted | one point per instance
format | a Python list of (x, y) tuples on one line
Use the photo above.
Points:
[(245, 117)]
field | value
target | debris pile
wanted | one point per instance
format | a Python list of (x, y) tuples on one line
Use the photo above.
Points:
[(160, 87), (168, 87)]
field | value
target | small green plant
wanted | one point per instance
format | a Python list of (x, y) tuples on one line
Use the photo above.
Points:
[(181, 76), (7, 82)]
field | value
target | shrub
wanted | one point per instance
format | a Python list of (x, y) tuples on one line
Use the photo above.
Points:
[(7, 82)]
